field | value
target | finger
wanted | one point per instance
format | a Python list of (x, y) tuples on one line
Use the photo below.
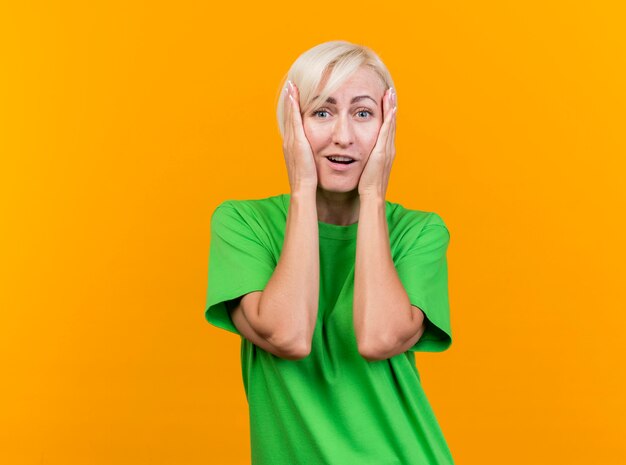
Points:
[(395, 117), (391, 140), (390, 128), (388, 112), (385, 105), (297, 115), (287, 111), (293, 113), (383, 135), (391, 150)]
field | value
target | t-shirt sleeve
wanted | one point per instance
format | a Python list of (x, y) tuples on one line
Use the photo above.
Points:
[(239, 263), (423, 270)]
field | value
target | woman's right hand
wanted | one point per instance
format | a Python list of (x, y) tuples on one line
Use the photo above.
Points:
[(299, 157)]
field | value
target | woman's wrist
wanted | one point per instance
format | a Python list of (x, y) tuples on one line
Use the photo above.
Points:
[(305, 193)]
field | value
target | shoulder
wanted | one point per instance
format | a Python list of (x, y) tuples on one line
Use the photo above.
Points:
[(403, 219), (268, 208), (262, 220), (414, 229)]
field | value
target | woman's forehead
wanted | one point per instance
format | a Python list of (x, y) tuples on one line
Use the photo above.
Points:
[(363, 82)]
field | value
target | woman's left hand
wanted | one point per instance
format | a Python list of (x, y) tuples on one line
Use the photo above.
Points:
[(375, 175)]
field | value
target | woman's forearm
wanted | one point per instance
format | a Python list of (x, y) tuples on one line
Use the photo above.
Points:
[(382, 310), (287, 311)]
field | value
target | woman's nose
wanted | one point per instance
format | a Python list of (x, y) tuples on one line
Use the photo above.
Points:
[(342, 131)]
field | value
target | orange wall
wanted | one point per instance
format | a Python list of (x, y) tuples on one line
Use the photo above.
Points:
[(122, 126)]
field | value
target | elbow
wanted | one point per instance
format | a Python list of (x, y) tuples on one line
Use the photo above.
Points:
[(296, 354), (296, 351), (289, 342), (372, 356), (372, 352), (293, 348)]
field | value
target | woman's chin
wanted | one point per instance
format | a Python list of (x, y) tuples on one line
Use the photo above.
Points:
[(337, 182), (337, 187)]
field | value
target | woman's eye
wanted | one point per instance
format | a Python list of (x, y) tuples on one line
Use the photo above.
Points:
[(363, 114)]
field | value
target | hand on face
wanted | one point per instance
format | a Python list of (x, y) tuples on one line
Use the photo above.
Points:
[(375, 175), (296, 148)]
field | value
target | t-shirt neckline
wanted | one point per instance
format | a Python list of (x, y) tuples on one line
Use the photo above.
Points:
[(328, 230)]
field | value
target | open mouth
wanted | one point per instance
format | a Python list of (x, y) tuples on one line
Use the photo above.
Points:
[(338, 166), (341, 161)]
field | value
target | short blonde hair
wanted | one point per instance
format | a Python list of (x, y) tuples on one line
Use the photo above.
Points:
[(334, 61)]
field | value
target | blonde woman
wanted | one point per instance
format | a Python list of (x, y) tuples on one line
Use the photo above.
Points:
[(331, 287)]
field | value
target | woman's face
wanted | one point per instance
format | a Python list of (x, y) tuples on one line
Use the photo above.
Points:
[(346, 124)]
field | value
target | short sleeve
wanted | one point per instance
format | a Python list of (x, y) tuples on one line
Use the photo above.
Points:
[(423, 270), (239, 263)]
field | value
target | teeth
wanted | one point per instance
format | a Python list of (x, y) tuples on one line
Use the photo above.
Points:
[(340, 158)]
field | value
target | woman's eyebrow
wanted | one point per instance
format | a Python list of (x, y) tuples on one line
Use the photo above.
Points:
[(355, 99)]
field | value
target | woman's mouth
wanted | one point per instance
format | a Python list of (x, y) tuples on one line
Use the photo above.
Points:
[(340, 163)]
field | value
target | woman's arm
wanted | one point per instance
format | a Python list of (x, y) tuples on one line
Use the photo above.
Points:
[(237, 314), (287, 310), (385, 322)]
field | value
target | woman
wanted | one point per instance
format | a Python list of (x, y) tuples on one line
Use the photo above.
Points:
[(332, 288)]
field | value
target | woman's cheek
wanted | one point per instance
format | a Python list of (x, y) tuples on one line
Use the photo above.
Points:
[(312, 134), (370, 137)]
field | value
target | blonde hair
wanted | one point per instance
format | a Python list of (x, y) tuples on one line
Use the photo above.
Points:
[(334, 61)]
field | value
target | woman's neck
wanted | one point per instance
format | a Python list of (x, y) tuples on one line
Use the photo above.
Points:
[(340, 208)]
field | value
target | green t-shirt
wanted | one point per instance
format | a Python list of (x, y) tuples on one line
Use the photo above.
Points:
[(333, 407)]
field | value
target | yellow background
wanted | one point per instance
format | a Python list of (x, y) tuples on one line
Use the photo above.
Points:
[(123, 125)]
